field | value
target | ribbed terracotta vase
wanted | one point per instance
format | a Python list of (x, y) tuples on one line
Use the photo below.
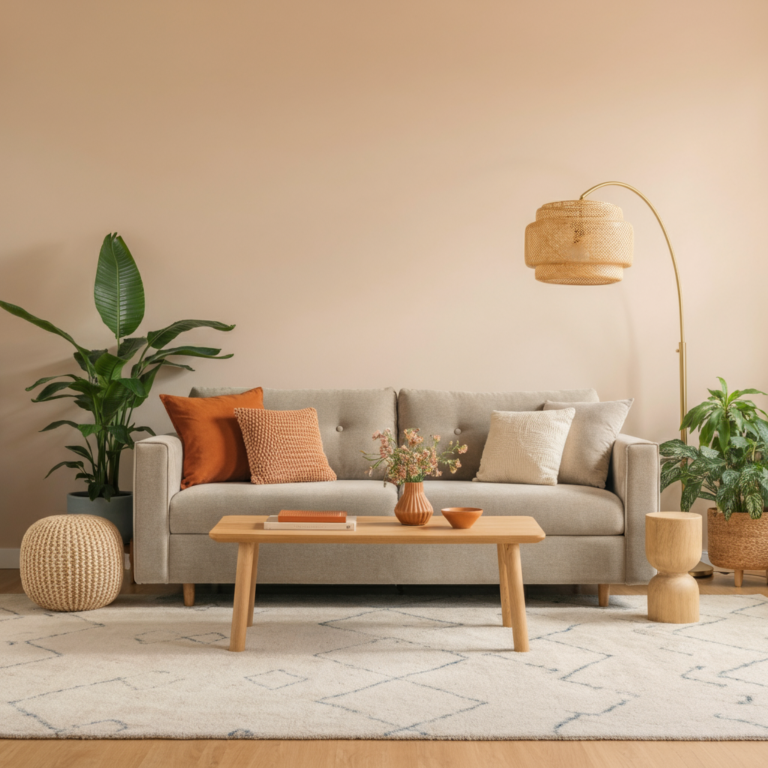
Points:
[(414, 507)]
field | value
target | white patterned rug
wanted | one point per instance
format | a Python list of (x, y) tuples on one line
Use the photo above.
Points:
[(410, 667)]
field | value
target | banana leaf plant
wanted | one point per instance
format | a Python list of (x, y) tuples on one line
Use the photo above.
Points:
[(730, 466), (107, 390)]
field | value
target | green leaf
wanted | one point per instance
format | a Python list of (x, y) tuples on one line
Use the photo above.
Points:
[(761, 427), (678, 449), (696, 415), (754, 504), (113, 398), (724, 386), (667, 478), (724, 433), (729, 478), (118, 291), (177, 365), (143, 429), (707, 432), (88, 388), (91, 358), (717, 395), (56, 424), (207, 352), (710, 453), (80, 451), (741, 392), (89, 429), (109, 366), (40, 323), (48, 392), (70, 464), (690, 494), (129, 347), (135, 386), (158, 339), (121, 434), (46, 379)]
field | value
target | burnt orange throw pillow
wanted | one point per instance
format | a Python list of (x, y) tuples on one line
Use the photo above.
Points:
[(284, 446), (214, 451)]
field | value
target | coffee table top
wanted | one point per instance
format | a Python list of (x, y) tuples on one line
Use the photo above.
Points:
[(490, 529)]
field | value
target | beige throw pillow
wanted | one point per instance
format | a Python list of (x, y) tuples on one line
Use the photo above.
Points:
[(284, 446), (587, 454), (525, 447)]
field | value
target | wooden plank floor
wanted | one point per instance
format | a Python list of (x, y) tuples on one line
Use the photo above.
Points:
[(149, 753)]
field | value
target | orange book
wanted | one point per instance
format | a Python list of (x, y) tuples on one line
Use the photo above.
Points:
[(309, 516)]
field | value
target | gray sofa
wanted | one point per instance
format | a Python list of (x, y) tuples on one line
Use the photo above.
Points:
[(593, 536)]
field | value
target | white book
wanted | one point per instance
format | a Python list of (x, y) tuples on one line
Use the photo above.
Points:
[(273, 525)]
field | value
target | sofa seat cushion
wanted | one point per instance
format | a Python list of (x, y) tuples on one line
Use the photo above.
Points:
[(561, 510), (198, 509)]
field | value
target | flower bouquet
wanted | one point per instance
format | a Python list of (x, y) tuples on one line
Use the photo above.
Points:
[(408, 464)]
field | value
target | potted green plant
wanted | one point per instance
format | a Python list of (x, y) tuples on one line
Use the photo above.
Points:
[(730, 468), (107, 391)]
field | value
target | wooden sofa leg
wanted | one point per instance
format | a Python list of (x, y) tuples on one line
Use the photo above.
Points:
[(603, 594), (189, 595), (738, 577)]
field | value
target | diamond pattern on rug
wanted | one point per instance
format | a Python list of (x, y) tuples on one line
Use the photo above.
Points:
[(277, 678), (383, 667)]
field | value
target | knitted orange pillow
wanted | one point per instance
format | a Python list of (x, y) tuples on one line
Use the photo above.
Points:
[(284, 446), (214, 451)]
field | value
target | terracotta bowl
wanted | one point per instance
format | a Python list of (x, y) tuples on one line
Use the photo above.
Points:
[(462, 517)]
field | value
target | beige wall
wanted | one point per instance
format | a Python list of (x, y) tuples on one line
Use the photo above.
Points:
[(349, 182)]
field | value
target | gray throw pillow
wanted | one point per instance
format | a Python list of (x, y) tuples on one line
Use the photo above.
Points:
[(587, 452)]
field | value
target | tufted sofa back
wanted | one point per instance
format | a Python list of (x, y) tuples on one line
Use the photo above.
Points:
[(348, 418), (466, 416)]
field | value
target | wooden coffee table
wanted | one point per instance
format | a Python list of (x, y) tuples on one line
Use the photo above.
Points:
[(508, 533)]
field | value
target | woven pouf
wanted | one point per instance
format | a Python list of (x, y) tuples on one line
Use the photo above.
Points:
[(72, 562)]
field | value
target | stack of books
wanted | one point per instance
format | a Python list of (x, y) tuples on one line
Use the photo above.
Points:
[(309, 520)]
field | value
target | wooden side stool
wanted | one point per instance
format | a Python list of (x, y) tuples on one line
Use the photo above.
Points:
[(673, 547)]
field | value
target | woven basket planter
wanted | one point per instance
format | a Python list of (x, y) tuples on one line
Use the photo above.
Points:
[(740, 543), (72, 562)]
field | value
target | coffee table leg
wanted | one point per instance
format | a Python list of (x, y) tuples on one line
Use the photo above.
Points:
[(242, 597), (252, 598), (516, 596), (506, 608)]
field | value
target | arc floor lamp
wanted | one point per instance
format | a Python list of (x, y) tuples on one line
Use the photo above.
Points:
[(587, 242)]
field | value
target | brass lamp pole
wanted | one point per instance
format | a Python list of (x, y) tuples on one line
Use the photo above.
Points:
[(586, 242)]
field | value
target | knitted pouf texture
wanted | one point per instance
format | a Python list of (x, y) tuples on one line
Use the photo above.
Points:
[(72, 562)]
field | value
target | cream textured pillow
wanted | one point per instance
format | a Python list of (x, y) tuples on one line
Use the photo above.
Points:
[(587, 454), (284, 446), (525, 447)]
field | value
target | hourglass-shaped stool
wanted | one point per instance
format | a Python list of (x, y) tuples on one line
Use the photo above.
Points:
[(673, 547)]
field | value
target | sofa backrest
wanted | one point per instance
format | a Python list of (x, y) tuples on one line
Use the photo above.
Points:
[(466, 416), (348, 418)]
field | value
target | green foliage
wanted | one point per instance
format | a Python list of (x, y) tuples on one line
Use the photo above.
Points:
[(107, 392), (730, 466)]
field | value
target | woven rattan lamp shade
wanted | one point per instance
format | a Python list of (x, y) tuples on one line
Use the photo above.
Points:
[(579, 242)]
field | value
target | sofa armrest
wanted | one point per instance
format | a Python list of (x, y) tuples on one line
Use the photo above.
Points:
[(156, 480), (634, 478)]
